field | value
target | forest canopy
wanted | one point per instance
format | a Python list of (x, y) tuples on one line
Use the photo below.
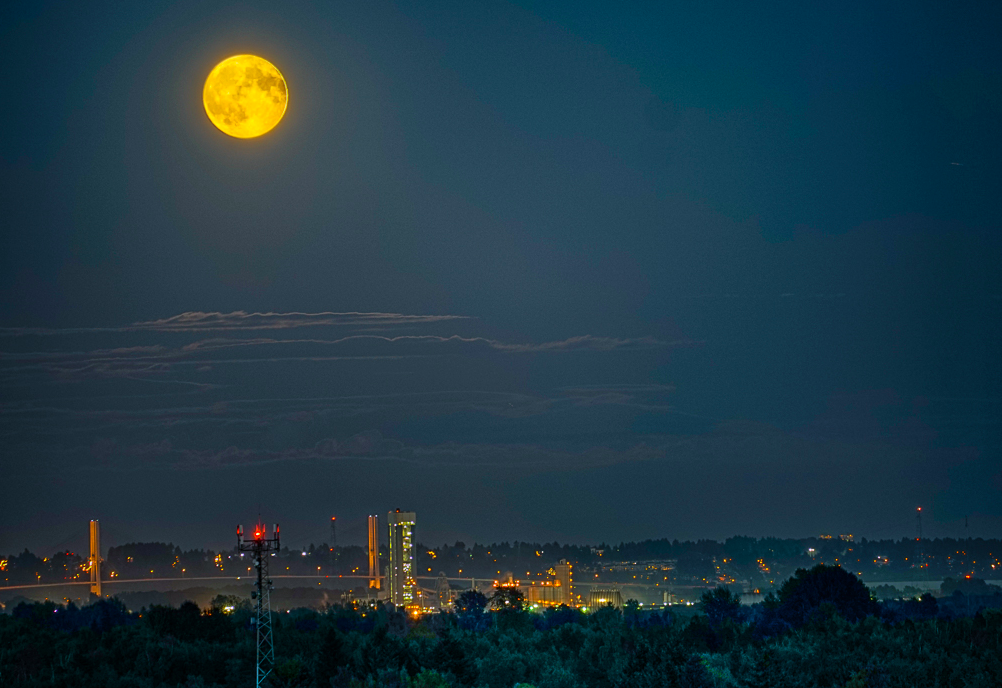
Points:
[(821, 629)]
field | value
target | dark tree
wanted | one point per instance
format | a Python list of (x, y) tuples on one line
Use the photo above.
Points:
[(331, 657), (700, 636), (507, 598), (188, 623), (928, 606), (470, 602), (695, 674), (720, 604), (558, 616), (758, 673), (808, 589), (449, 657), (968, 586)]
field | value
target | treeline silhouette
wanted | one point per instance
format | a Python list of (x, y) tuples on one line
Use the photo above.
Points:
[(821, 628), (758, 561)]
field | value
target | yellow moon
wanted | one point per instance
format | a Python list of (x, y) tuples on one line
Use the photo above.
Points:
[(245, 96)]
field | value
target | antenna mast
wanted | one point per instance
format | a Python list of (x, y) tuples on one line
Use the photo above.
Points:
[(260, 547), (333, 547)]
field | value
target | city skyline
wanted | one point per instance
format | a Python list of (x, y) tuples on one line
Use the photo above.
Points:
[(416, 571), (356, 532)]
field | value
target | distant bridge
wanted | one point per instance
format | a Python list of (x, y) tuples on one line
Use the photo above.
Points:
[(358, 580), (179, 579), (96, 582)]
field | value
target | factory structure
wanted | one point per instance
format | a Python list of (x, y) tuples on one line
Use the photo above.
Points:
[(397, 582), (547, 593), (392, 574)]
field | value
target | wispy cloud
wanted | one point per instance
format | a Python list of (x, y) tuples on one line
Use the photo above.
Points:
[(196, 321), (584, 342), (164, 455), (199, 321), (742, 445), (254, 377), (135, 360), (589, 342), (296, 415)]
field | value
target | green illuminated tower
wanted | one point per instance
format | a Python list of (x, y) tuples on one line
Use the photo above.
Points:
[(401, 569)]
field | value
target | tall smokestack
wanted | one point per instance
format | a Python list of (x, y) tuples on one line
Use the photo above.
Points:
[(374, 552), (95, 558)]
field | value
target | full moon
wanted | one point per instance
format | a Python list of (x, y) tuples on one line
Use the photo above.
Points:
[(245, 96)]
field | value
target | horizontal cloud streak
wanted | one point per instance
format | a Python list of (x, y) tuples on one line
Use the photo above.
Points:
[(745, 446), (140, 359), (580, 343), (296, 415), (164, 455), (199, 321)]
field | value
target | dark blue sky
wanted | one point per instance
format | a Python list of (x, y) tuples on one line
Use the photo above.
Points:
[(559, 271)]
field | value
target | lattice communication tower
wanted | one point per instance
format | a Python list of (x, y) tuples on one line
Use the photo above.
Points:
[(261, 547)]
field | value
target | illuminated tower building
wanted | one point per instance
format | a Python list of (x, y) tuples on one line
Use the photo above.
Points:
[(401, 569), (374, 552), (563, 571)]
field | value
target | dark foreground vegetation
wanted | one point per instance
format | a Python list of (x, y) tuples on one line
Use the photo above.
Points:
[(822, 628)]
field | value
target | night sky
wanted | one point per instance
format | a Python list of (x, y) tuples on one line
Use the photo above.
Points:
[(536, 271)]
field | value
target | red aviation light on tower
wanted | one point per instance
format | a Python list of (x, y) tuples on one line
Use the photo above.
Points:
[(260, 535)]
